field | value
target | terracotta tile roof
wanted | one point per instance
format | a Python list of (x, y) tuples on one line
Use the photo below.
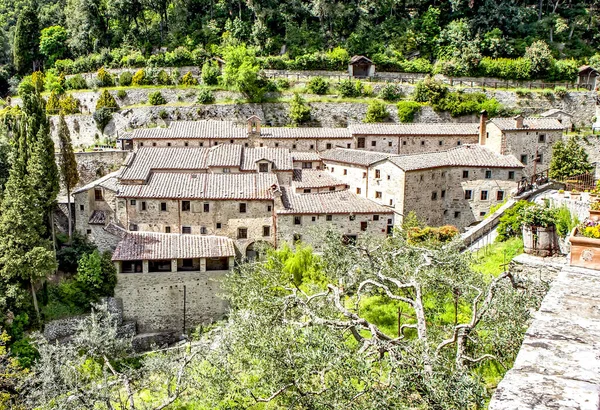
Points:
[(338, 202), (543, 124), (471, 155), (108, 181), (225, 155), (305, 156), (203, 186), (153, 246), (304, 133), (312, 178), (150, 133), (357, 59), (206, 129), (115, 230), (125, 136), (353, 156), (97, 218), (280, 157), (144, 160), (441, 129)]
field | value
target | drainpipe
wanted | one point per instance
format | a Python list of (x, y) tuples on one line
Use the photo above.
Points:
[(179, 216), (274, 216), (367, 183)]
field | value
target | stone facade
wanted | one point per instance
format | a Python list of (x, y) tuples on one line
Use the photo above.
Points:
[(406, 145), (156, 300)]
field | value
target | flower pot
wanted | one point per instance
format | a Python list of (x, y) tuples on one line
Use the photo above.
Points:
[(540, 241), (594, 215), (585, 252)]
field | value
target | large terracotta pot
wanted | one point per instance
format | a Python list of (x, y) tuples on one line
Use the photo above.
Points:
[(585, 252), (594, 215), (540, 241)]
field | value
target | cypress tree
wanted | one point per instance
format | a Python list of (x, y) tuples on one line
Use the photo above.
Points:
[(68, 164), (26, 41)]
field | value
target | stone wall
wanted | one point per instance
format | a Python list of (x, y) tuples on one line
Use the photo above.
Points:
[(95, 164), (156, 300)]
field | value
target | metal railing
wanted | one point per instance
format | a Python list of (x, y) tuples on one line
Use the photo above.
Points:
[(581, 182), (534, 181)]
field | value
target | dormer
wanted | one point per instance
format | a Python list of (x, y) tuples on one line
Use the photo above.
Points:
[(264, 165), (253, 123)]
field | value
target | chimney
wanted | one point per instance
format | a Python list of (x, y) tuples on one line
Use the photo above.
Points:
[(483, 127), (519, 121)]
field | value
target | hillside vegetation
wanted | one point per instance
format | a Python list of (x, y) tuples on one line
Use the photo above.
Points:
[(517, 40)]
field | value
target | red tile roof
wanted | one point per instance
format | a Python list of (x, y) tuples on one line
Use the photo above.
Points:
[(439, 129), (312, 178), (338, 202)]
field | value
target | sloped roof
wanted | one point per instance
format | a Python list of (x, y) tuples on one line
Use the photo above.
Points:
[(554, 111), (172, 185), (97, 218), (585, 68), (202, 129), (305, 133), (529, 124), (441, 129), (108, 181), (312, 178), (469, 155), (146, 159), (353, 156), (280, 157), (357, 59), (225, 155), (153, 246), (334, 202), (305, 156)]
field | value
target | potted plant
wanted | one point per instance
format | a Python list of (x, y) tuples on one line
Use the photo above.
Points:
[(539, 230), (595, 211), (585, 245), (561, 193), (575, 195)]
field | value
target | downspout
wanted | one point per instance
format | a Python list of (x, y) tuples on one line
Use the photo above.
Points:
[(179, 216), (367, 183), (274, 225)]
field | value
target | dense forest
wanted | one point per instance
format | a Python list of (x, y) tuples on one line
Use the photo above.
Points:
[(138, 33)]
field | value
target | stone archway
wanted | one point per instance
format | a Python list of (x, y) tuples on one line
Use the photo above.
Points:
[(256, 248)]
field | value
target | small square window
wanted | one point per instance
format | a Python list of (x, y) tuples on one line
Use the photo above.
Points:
[(391, 202), (440, 143), (297, 237), (373, 143), (376, 217), (360, 142), (133, 227), (203, 230), (377, 173), (363, 226), (457, 214), (297, 220), (378, 194), (206, 208), (167, 229), (484, 195), (443, 195), (542, 138), (242, 208), (389, 221), (246, 145), (263, 167), (511, 174), (358, 191), (269, 208), (154, 144), (332, 169), (242, 233), (89, 231), (482, 213), (364, 175), (488, 174), (168, 144), (293, 146), (434, 196), (143, 206), (468, 194), (458, 142), (422, 142), (163, 206), (389, 177), (345, 172), (186, 230), (313, 219), (261, 144), (403, 142), (352, 217), (306, 190), (141, 144), (524, 159), (348, 145), (389, 143), (266, 231), (276, 144), (186, 144), (329, 217), (312, 146), (219, 225), (540, 158), (328, 146), (226, 170), (500, 196), (185, 206), (201, 144), (98, 194), (81, 207), (132, 202), (307, 165), (231, 141), (465, 174)]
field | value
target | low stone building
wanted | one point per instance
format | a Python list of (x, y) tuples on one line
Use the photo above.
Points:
[(304, 215), (307, 181), (530, 140), (455, 187), (306, 160), (171, 282), (563, 117)]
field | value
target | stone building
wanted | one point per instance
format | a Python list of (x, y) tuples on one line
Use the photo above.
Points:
[(306, 160), (455, 187), (530, 140), (309, 181), (563, 117), (303, 215), (360, 67)]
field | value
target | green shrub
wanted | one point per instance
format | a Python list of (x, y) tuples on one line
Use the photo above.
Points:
[(205, 96), (376, 112), (106, 100), (140, 78), (282, 83), (25, 351), (407, 110), (156, 98), (104, 78), (125, 79), (53, 104), (390, 92), (523, 92), (547, 93), (561, 92), (96, 274), (77, 82), (163, 114), (430, 90), (299, 111), (565, 221), (68, 254), (430, 234), (210, 74), (505, 68), (318, 85), (179, 57), (64, 66), (69, 104), (188, 79), (347, 88), (162, 78), (102, 117), (121, 94), (509, 224)]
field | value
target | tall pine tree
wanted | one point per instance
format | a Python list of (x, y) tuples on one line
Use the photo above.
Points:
[(26, 41), (68, 164)]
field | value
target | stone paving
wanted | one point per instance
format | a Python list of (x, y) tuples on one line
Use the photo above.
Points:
[(558, 366)]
